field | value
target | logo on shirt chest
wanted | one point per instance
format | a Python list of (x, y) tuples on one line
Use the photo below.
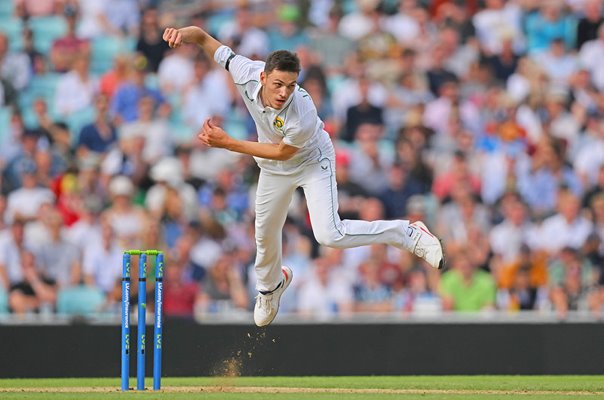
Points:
[(278, 124)]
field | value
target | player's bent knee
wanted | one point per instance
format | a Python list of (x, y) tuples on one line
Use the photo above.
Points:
[(329, 238)]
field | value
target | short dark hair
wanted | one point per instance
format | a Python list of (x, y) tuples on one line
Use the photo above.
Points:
[(282, 60)]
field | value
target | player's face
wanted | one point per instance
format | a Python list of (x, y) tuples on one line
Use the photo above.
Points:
[(277, 86)]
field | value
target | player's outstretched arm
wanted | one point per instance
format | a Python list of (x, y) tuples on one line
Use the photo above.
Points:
[(192, 34)]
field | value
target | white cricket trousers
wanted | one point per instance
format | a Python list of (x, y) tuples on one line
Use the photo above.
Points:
[(273, 196)]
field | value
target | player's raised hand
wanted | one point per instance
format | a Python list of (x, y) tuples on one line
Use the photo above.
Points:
[(173, 36), (213, 135)]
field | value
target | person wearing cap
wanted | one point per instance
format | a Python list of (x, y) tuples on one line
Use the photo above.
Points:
[(293, 150)]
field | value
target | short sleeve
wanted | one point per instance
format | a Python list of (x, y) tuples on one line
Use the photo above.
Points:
[(241, 68)]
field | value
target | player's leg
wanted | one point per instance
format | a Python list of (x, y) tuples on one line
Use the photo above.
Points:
[(273, 196), (321, 192)]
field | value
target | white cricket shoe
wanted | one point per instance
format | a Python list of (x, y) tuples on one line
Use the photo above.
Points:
[(267, 305), (425, 245)]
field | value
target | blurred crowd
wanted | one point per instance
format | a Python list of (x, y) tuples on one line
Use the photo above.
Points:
[(482, 118)]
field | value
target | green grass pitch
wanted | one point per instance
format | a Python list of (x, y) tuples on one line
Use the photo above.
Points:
[(317, 388)]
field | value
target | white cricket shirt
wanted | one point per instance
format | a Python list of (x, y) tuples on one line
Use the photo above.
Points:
[(296, 123)]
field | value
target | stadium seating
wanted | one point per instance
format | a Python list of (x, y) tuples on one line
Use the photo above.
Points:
[(79, 300), (104, 49), (77, 120), (41, 86), (7, 9), (13, 28), (5, 114), (181, 132), (3, 302), (46, 30)]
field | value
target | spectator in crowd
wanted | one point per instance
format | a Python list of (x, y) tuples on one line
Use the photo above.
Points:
[(87, 228), (458, 176), (402, 25), (23, 203), (180, 294), (572, 279), (171, 196), (316, 86), (522, 281), (359, 23), (35, 291), (122, 17), (15, 67), (243, 36), (57, 133), (150, 43), (99, 136), (66, 49), (378, 276), (321, 296), (549, 23), (409, 148), (199, 99), (36, 8), (591, 54), (92, 21), (126, 159), (286, 32), (589, 23), (438, 74), (126, 219), (566, 228), (102, 260), (497, 21), (541, 176), (463, 220), (515, 230), (589, 158), (223, 289), (362, 113), (369, 162), (466, 288), (596, 207), (558, 63), (448, 104), (350, 194), (125, 102), (176, 70), (59, 259), (400, 188), (111, 80), (76, 89), (504, 63), (12, 245), (331, 48), (155, 131)]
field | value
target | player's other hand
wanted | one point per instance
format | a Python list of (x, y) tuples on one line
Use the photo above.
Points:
[(213, 135), (173, 36)]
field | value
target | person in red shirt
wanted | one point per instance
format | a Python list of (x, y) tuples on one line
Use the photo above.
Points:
[(65, 49)]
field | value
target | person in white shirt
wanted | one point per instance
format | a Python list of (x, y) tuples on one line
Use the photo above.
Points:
[(293, 150), (76, 89)]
